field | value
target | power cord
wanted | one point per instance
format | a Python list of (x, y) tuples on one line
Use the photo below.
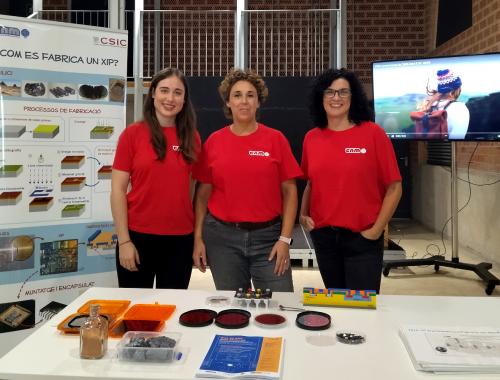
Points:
[(468, 198), (470, 183)]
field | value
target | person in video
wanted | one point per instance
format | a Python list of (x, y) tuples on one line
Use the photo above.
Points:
[(246, 200), (442, 115), (152, 187), (354, 184)]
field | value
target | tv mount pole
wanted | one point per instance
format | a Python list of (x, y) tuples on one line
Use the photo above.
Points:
[(481, 269)]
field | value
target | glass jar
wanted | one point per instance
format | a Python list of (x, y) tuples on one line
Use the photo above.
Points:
[(94, 335)]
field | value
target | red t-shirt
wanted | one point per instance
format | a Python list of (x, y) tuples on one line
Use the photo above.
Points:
[(246, 173), (158, 201), (348, 173)]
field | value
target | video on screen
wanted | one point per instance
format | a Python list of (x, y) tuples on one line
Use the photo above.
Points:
[(447, 98)]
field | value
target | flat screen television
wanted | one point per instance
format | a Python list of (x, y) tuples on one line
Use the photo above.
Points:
[(447, 98)]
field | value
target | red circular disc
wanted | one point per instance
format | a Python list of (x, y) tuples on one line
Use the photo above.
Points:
[(197, 318), (232, 318), (270, 320), (313, 320)]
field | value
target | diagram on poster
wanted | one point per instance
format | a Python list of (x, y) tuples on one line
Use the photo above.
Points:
[(58, 153)]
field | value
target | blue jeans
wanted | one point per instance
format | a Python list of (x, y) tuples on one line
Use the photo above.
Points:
[(238, 256), (347, 260)]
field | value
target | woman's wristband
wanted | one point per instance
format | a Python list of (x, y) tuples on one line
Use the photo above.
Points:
[(125, 242), (286, 240)]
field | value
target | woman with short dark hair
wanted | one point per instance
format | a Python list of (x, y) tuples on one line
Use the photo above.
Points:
[(247, 184)]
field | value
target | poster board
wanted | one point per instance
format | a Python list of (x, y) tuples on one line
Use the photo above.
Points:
[(62, 108)]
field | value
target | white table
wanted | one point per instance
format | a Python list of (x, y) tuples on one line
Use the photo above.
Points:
[(46, 354)]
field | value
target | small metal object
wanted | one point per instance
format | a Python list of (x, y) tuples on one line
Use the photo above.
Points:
[(289, 308), (441, 349), (218, 301), (350, 337)]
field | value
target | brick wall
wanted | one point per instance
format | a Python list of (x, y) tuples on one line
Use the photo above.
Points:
[(198, 37), (482, 37), (296, 43), (286, 43), (55, 4), (381, 30), (200, 43), (192, 5), (282, 43)]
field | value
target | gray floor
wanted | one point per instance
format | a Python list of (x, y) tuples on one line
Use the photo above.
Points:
[(418, 242)]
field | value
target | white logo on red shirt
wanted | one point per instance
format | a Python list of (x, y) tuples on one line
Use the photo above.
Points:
[(355, 150), (258, 153), (175, 148)]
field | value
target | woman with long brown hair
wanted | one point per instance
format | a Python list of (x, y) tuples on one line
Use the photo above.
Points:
[(154, 218)]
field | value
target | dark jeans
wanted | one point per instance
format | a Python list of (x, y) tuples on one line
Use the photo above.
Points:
[(237, 256), (166, 257), (347, 260)]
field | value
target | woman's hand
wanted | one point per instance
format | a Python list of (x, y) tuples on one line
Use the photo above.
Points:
[(370, 234), (129, 257), (200, 255), (307, 222), (281, 251)]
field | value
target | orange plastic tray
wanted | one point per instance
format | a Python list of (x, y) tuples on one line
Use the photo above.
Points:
[(142, 317), (109, 307)]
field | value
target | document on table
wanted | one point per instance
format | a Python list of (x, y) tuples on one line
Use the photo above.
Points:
[(457, 349), (237, 356)]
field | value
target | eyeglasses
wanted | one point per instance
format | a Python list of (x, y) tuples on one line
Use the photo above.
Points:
[(330, 93)]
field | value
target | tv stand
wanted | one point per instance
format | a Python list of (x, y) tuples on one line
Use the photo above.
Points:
[(481, 269)]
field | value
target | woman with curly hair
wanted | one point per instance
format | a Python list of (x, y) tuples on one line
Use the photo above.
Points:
[(353, 187), (154, 219), (246, 201)]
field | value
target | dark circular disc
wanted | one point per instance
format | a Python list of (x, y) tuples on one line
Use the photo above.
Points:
[(232, 318), (270, 320), (78, 321), (197, 318), (313, 320)]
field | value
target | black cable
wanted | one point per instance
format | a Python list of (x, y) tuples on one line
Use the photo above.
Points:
[(427, 249), (468, 198), (468, 176), (401, 237), (473, 183)]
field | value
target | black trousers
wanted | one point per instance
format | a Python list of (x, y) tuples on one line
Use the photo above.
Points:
[(169, 258), (347, 260)]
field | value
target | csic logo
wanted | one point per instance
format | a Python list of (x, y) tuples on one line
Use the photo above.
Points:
[(258, 153), (10, 31), (110, 41), (355, 150)]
